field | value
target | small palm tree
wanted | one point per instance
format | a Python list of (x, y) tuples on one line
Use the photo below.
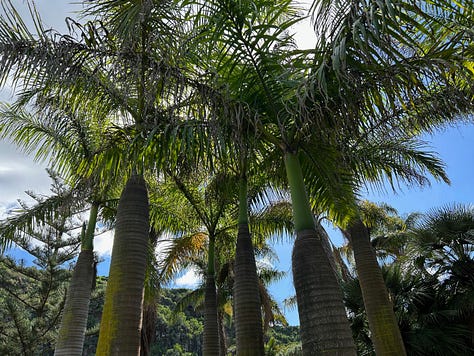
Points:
[(69, 141), (442, 245)]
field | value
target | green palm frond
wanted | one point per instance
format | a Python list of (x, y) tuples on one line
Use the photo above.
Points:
[(330, 185), (63, 140), (273, 220), (169, 209), (269, 275), (125, 18), (270, 310), (378, 70), (194, 298), (443, 241), (399, 159), (180, 253), (290, 302)]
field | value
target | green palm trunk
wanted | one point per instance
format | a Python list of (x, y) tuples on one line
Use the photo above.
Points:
[(324, 326), (385, 333), (248, 316), (210, 345), (120, 326), (74, 319)]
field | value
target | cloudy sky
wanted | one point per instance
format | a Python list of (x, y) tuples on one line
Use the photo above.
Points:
[(18, 172), (455, 146)]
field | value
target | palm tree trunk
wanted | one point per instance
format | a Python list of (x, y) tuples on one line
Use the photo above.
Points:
[(326, 242), (74, 319), (248, 314), (120, 326), (222, 335), (324, 326), (148, 328), (385, 333), (210, 345), (471, 328), (150, 300)]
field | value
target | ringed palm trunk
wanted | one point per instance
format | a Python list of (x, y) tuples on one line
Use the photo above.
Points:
[(210, 345), (248, 314), (120, 326), (73, 326), (324, 326), (385, 333), (222, 334)]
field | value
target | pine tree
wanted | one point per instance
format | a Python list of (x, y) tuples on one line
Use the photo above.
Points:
[(32, 290)]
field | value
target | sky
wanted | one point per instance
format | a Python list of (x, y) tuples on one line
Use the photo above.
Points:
[(19, 173)]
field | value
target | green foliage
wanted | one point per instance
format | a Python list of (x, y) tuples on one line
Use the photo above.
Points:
[(32, 297), (31, 301), (430, 286), (183, 329), (95, 313)]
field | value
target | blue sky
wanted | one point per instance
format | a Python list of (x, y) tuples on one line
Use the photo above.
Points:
[(454, 145)]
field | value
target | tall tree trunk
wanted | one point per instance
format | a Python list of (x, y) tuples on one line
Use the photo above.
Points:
[(74, 319), (471, 327), (324, 326), (150, 300), (326, 243), (385, 333), (222, 334), (120, 326), (248, 313), (148, 328), (210, 345)]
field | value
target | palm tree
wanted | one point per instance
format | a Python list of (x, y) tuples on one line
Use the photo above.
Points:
[(429, 315), (400, 159), (248, 320), (74, 317), (206, 199), (248, 54), (248, 61), (69, 141), (426, 320), (120, 326), (194, 206), (402, 163), (252, 57), (442, 245), (382, 320), (80, 74)]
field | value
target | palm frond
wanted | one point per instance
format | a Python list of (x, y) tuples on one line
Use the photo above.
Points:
[(179, 253)]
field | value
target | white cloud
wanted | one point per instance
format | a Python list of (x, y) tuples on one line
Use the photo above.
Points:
[(19, 173), (103, 243), (52, 12), (190, 279)]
